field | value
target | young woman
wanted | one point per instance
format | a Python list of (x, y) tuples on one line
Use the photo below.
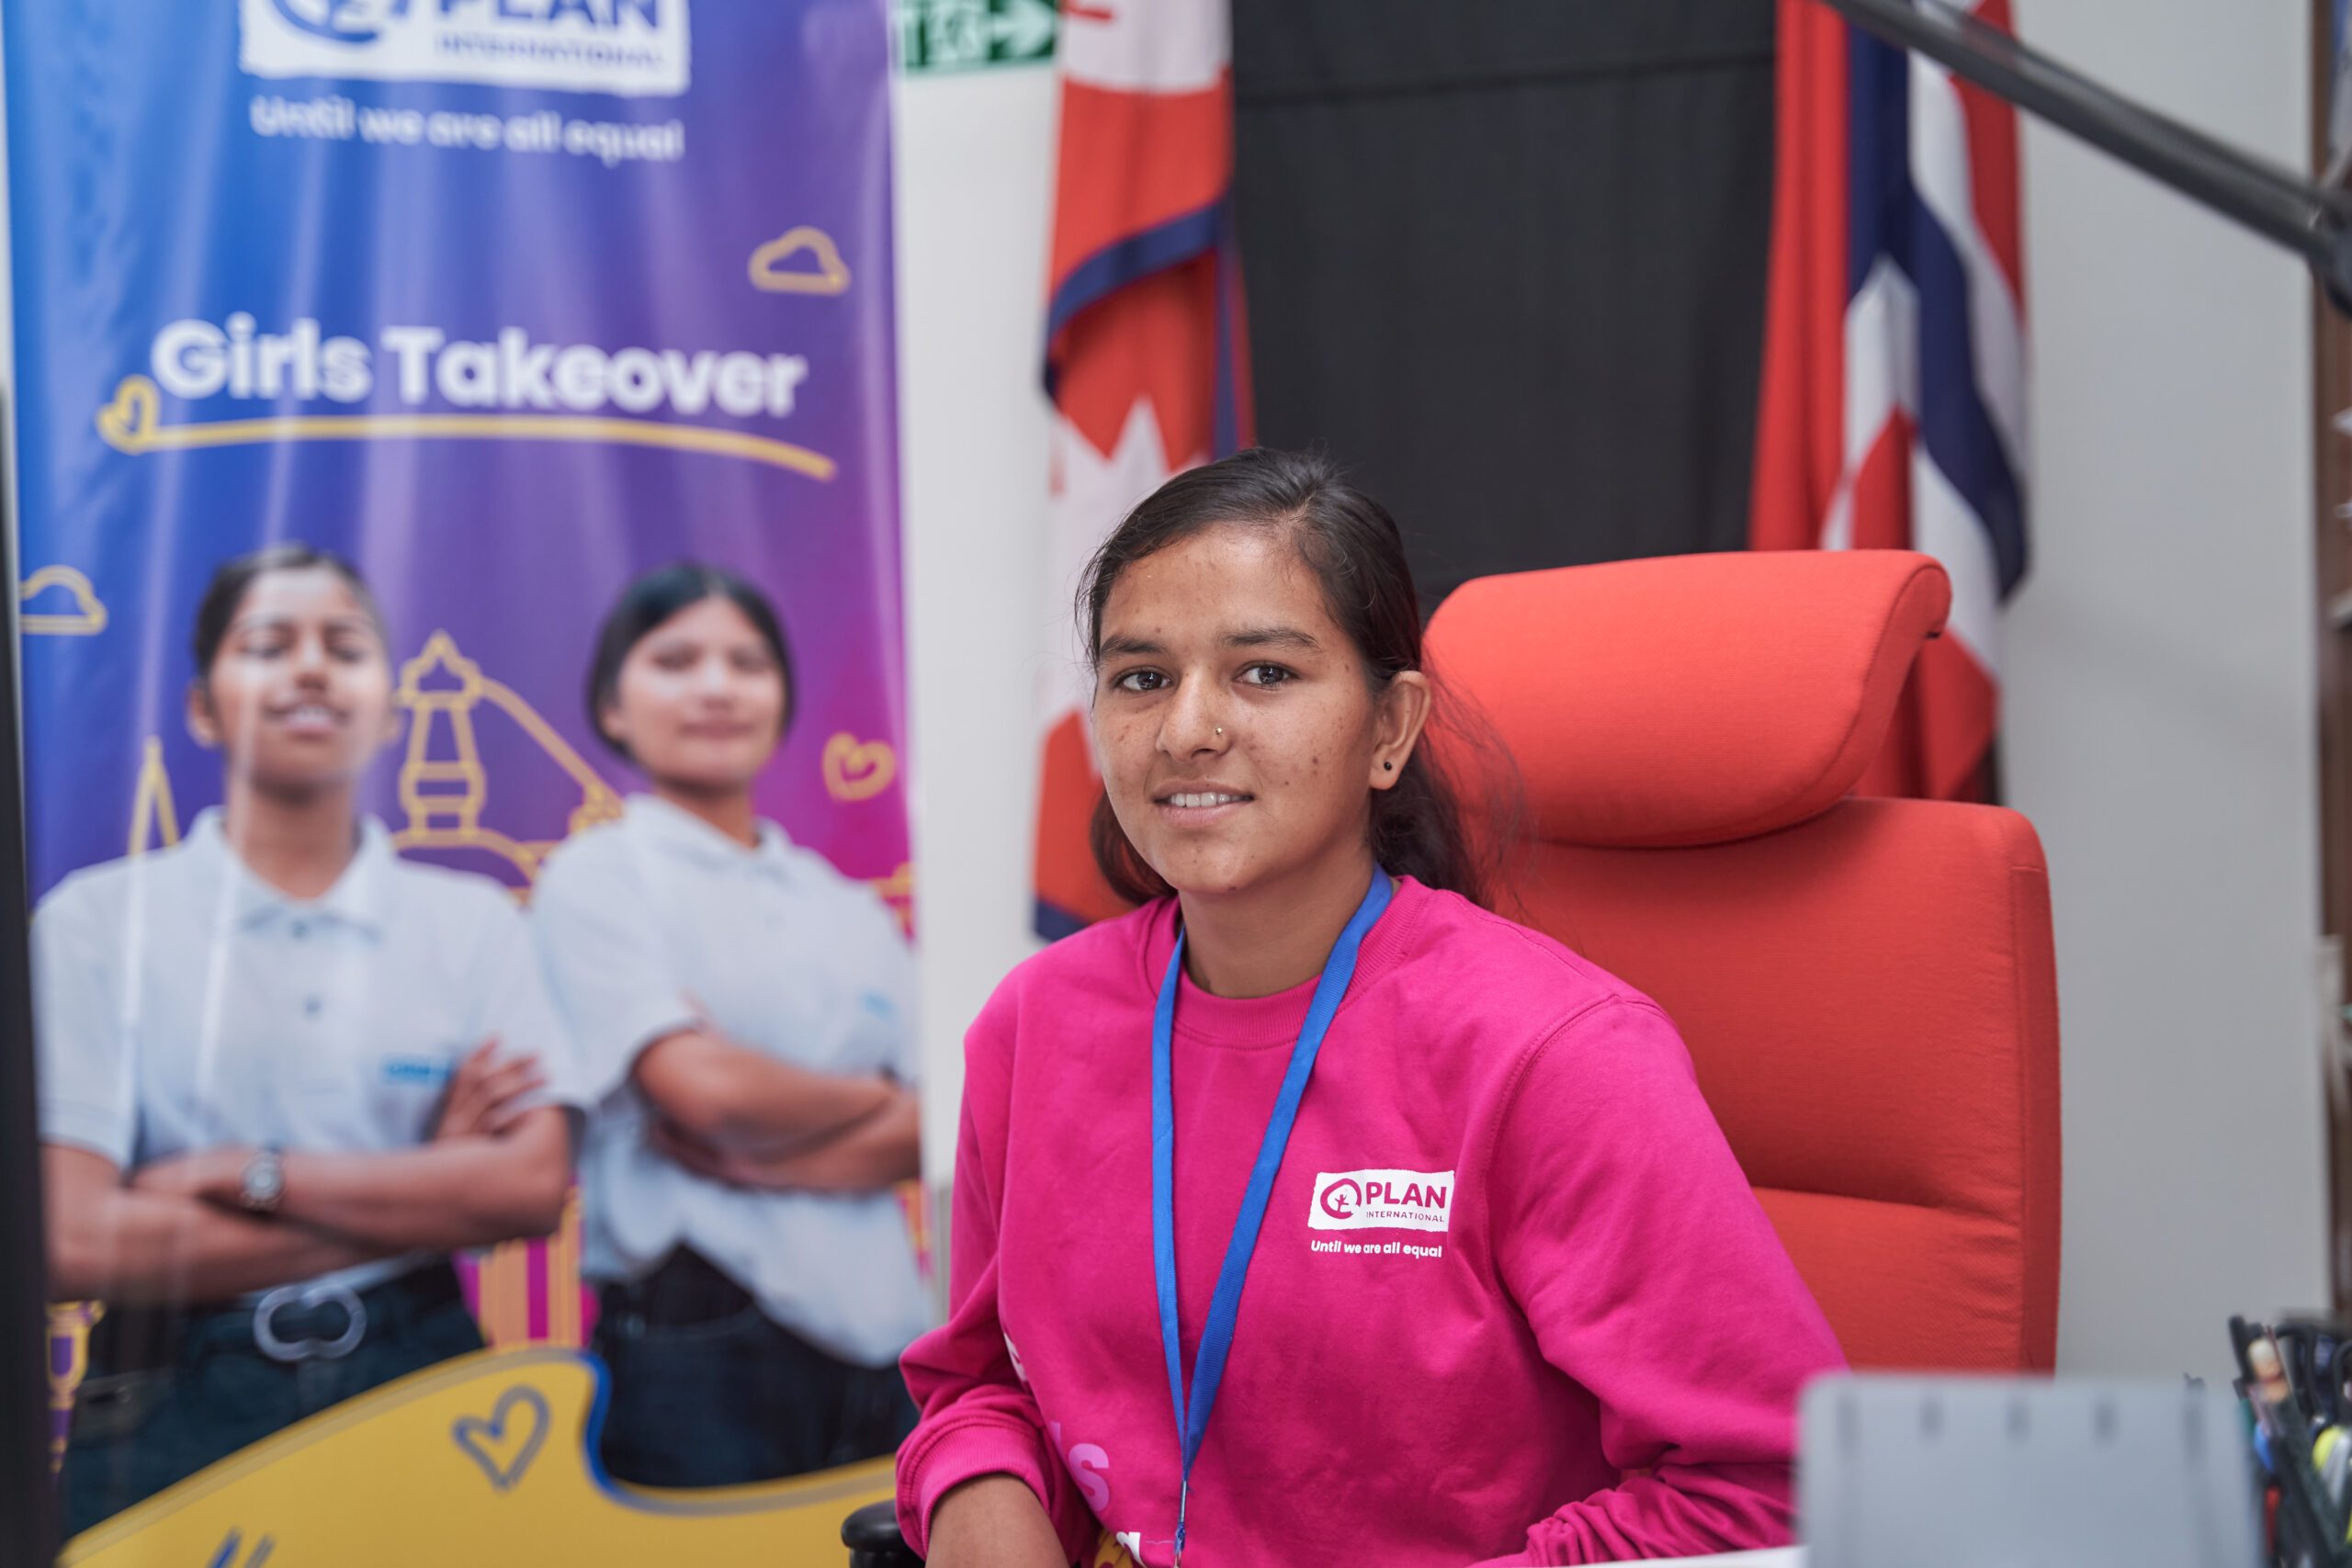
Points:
[(1509, 1298), (283, 1072), (747, 1014)]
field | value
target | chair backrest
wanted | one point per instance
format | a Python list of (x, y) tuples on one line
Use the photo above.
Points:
[(1867, 987)]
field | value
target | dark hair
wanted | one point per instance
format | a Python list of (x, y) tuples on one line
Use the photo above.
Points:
[(225, 594), (1352, 546), (652, 599)]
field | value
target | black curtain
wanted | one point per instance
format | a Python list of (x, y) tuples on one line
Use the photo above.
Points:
[(1505, 260)]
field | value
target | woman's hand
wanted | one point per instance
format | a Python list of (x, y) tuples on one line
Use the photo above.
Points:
[(877, 1153), (993, 1522), (153, 1240), (699, 1156), (819, 1167), (214, 1176), (485, 1096)]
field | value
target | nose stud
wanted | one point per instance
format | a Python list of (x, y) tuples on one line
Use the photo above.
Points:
[(1220, 730)]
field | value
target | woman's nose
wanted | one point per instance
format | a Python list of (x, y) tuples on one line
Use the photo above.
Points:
[(1195, 721)]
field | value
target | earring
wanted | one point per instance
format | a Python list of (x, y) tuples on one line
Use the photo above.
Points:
[(1389, 767)]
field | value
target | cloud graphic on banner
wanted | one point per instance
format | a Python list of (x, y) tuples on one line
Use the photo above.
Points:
[(769, 272), (81, 615)]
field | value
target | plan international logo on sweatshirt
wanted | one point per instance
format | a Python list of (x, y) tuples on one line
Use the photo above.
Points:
[(1382, 1200), (630, 47)]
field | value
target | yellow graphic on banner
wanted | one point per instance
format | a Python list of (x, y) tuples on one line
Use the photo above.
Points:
[(443, 786), (69, 1362), (443, 790), (898, 890), (155, 822), (828, 274), (484, 1459), (133, 423), (87, 618), (856, 771)]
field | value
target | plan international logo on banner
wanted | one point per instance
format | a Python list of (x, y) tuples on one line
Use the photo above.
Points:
[(637, 48)]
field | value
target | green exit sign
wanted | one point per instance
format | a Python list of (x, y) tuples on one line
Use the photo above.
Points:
[(956, 34)]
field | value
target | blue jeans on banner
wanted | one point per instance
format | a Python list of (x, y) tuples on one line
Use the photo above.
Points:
[(169, 1393), (709, 1390)]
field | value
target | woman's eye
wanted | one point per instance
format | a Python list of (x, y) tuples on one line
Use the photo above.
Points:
[(1141, 681), (1265, 675)]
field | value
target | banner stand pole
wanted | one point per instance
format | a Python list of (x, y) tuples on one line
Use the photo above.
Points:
[(28, 1497)]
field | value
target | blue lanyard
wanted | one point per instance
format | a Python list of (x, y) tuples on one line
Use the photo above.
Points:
[(1224, 1306)]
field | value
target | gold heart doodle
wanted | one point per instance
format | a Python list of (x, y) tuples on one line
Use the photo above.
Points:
[(127, 424), (770, 274), (854, 771), (505, 1452)]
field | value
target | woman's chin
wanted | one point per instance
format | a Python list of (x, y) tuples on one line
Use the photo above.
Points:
[(714, 782), (304, 784), (1209, 876)]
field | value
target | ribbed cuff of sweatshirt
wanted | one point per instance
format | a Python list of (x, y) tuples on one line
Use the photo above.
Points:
[(942, 1458)]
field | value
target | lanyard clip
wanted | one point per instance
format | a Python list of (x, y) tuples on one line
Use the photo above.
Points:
[(1183, 1497)]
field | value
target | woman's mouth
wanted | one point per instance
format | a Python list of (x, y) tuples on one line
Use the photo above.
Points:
[(1201, 807), (311, 719)]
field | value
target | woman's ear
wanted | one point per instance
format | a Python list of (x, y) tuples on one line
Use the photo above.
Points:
[(1404, 712), (202, 722), (613, 725)]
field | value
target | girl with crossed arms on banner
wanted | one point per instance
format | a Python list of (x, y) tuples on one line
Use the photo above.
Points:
[(747, 1016), (1510, 1298), (283, 1072)]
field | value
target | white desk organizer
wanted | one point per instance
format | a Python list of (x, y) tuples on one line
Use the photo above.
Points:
[(2023, 1473)]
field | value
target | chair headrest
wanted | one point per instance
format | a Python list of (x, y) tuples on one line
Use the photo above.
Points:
[(1690, 699)]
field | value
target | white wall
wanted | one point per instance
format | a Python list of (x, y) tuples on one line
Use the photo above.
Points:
[(2160, 689), (975, 179)]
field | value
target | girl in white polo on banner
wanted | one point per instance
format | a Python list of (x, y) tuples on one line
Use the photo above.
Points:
[(284, 1072)]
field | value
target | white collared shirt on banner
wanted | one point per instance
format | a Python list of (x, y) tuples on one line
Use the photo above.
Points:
[(182, 1003), (654, 923)]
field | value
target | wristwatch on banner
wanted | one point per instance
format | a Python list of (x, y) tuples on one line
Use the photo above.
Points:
[(264, 1182)]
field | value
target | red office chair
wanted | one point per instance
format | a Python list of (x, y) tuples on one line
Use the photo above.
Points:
[(1867, 987)]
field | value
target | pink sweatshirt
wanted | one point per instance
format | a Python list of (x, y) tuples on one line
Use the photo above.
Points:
[(1513, 1300)]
